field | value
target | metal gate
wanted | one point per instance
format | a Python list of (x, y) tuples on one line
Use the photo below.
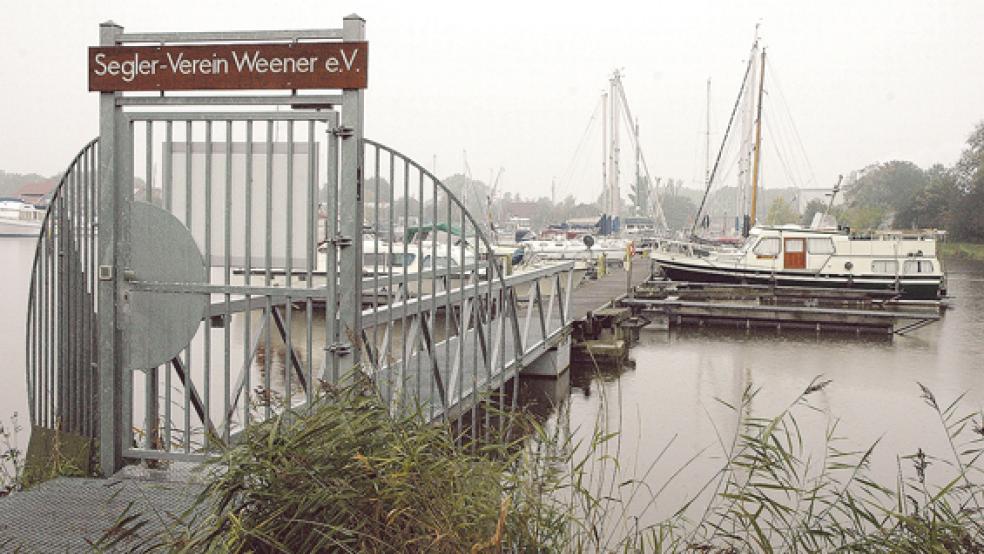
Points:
[(227, 268), (201, 269)]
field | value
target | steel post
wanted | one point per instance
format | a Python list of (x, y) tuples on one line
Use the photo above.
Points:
[(351, 210), (110, 355)]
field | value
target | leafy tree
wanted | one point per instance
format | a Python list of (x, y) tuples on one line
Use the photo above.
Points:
[(891, 186), (781, 213), (813, 207), (678, 210), (640, 196), (967, 214), (932, 206), (862, 216)]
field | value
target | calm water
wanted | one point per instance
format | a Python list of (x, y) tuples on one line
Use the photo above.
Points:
[(671, 393)]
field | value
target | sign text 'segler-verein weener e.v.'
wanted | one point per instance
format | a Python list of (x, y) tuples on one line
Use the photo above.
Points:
[(322, 65)]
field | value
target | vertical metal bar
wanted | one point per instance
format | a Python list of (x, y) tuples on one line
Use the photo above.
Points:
[(388, 262), (168, 164), (168, 194), (187, 358), (247, 271), (432, 352), (110, 370), (310, 230), (288, 262), (448, 309), (268, 261), (207, 327), (94, 420), (476, 322), (73, 296), (44, 322), (149, 161), (405, 283), (463, 318), (226, 279), (151, 387), (389, 287), (420, 284), (350, 195)]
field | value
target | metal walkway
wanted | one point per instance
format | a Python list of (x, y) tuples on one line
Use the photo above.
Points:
[(79, 514)]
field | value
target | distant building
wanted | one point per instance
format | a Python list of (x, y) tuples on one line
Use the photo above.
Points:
[(520, 208), (37, 193)]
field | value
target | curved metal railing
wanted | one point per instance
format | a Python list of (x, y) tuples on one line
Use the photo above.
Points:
[(62, 380), (442, 333)]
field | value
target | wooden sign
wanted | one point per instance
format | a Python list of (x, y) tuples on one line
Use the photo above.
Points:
[(307, 65)]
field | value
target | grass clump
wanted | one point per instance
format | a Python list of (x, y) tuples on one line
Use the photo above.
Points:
[(347, 477)]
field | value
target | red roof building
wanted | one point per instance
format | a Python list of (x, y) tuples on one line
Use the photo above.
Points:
[(37, 192)]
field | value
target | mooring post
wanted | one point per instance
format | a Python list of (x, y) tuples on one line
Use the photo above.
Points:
[(351, 210), (110, 367)]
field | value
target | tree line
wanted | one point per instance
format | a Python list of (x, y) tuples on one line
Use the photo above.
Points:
[(902, 195)]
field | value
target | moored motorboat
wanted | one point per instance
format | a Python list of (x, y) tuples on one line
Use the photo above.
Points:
[(794, 256)]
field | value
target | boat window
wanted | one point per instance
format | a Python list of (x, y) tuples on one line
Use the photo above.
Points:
[(917, 266), (398, 259), (885, 266), (824, 245), (794, 246), (767, 246)]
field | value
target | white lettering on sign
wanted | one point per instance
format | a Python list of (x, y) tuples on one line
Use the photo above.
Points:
[(255, 63), (128, 70), (270, 66)]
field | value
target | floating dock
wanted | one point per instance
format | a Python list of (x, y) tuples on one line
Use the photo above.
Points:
[(673, 303)]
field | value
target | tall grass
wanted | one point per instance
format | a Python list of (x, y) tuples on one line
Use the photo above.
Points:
[(11, 457), (347, 477)]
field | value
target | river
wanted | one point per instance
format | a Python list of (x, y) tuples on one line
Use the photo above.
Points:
[(671, 394), (672, 398)]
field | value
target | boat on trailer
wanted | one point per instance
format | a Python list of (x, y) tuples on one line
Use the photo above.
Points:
[(789, 255)]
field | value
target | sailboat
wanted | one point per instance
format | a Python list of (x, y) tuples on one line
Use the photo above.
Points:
[(790, 255)]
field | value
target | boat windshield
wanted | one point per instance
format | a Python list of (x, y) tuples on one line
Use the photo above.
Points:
[(396, 259)]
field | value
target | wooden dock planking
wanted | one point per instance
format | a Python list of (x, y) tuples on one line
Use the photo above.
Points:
[(599, 293)]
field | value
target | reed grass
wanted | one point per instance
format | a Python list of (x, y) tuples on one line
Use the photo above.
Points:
[(345, 476), (11, 457)]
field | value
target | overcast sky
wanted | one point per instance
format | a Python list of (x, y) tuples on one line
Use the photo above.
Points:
[(515, 84)]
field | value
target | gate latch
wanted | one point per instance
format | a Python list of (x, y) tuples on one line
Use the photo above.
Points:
[(340, 240), (341, 348), (343, 132)]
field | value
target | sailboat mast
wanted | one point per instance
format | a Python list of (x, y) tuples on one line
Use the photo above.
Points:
[(707, 138), (638, 176), (604, 151), (614, 195), (758, 139)]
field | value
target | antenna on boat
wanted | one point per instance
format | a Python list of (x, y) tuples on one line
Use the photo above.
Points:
[(833, 195)]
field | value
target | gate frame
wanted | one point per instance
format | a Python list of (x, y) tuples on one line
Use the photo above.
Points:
[(116, 194)]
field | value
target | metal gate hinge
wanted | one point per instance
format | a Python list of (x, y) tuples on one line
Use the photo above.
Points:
[(343, 132)]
